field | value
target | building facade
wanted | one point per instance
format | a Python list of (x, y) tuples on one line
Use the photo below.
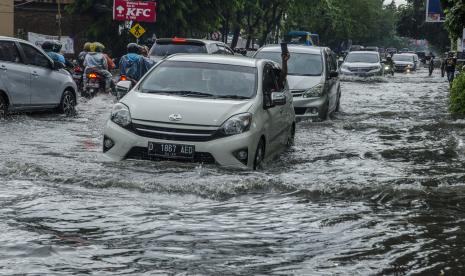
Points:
[(7, 17)]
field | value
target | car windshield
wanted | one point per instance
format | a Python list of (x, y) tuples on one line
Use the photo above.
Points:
[(200, 79), (171, 48), (362, 57), (402, 58), (299, 64)]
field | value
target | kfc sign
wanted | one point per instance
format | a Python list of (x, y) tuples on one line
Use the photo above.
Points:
[(138, 11)]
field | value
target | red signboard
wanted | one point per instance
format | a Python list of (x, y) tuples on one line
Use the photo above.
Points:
[(138, 11)]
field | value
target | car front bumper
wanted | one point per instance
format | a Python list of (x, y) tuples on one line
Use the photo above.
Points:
[(362, 74), (308, 108), (129, 145)]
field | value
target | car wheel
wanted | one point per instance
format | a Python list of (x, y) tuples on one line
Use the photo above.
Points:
[(323, 114), (259, 155), (291, 137), (3, 107), (68, 103)]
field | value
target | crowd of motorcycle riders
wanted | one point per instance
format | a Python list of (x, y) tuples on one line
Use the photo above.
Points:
[(91, 70)]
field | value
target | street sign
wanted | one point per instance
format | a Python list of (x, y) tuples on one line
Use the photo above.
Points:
[(216, 36), (125, 10), (434, 12), (137, 30)]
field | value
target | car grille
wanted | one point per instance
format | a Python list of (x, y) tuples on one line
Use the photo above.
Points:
[(362, 69), (141, 153), (176, 133), (297, 93), (300, 110)]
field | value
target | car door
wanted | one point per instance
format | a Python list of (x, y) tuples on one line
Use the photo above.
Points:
[(331, 82), (46, 83), (273, 120), (15, 76)]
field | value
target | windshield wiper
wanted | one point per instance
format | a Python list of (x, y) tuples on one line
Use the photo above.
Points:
[(187, 93), (236, 97)]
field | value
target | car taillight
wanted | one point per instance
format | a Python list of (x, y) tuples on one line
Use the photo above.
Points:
[(77, 69), (123, 78), (92, 76), (179, 40)]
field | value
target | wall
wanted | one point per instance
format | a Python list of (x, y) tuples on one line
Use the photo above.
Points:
[(6, 17)]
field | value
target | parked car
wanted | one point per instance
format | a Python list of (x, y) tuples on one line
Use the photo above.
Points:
[(31, 81), (362, 63), (313, 79), (405, 62), (164, 47), (228, 110)]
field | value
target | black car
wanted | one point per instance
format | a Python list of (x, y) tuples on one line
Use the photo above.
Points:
[(164, 47)]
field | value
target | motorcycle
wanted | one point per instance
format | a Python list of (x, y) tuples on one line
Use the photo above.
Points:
[(78, 76), (388, 69), (94, 83), (123, 86)]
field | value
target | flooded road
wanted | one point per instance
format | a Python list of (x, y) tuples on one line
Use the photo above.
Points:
[(378, 189)]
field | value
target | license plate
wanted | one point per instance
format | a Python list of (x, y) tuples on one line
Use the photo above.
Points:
[(171, 150), (93, 85), (76, 76)]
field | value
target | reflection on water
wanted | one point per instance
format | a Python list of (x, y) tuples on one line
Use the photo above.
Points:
[(378, 189)]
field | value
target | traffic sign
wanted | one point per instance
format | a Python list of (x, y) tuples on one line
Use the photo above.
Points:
[(137, 30)]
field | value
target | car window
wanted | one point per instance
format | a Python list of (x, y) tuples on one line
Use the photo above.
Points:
[(208, 79), (299, 64), (35, 57), (363, 57), (163, 49), (9, 52)]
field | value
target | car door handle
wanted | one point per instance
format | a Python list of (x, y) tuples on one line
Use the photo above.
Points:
[(3, 67), (35, 74)]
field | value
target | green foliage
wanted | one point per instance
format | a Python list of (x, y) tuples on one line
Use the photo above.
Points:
[(455, 17), (457, 95), (411, 23)]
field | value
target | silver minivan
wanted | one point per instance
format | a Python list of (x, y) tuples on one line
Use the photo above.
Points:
[(313, 79), (31, 81)]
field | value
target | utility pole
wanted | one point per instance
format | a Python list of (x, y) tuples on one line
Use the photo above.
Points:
[(59, 19)]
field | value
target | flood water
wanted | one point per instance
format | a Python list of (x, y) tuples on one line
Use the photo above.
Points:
[(378, 189)]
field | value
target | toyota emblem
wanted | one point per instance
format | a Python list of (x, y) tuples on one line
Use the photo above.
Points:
[(175, 117)]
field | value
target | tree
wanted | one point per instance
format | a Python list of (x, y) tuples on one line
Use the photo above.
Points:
[(455, 17)]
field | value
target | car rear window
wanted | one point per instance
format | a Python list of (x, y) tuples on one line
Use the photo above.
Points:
[(167, 48)]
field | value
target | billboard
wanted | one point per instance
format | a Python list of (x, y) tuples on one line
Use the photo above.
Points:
[(66, 41), (434, 12), (124, 10)]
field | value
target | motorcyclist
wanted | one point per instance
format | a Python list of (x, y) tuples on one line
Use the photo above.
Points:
[(450, 64), (390, 63), (132, 63), (95, 61), (52, 49), (82, 55)]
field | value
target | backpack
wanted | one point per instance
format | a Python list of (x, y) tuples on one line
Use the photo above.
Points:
[(132, 69)]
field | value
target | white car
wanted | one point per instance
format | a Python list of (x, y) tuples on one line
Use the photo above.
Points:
[(405, 62), (203, 108), (363, 64)]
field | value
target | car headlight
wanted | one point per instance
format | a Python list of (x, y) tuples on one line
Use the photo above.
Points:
[(237, 124), (314, 92), (120, 115)]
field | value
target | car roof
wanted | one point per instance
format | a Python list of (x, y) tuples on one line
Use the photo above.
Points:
[(293, 48), (9, 38), (405, 54), (363, 52), (219, 59), (206, 41)]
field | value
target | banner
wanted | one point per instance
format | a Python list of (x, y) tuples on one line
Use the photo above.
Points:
[(66, 41), (463, 41), (138, 11), (434, 12)]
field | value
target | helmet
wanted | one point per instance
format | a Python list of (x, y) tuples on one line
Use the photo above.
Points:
[(99, 47), (51, 45), (87, 46), (133, 48)]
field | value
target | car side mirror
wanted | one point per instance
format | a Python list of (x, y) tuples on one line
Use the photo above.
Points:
[(278, 98), (123, 87), (57, 65), (333, 74)]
